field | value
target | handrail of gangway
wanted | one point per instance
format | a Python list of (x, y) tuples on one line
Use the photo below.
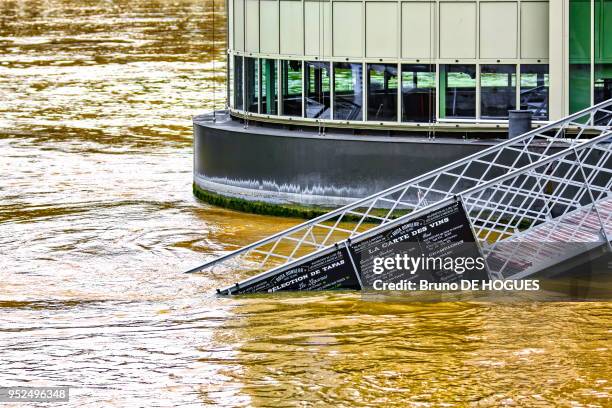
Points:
[(342, 210), (441, 203)]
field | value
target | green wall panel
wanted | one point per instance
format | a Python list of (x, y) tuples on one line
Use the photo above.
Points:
[(603, 30), (580, 31), (580, 87), (579, 55)]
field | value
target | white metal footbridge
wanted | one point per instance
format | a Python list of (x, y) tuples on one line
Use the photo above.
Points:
[(526, 199)]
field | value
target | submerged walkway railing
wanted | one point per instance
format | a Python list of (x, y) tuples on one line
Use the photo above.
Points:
[(546, 212), (504, 188), (523, 222)]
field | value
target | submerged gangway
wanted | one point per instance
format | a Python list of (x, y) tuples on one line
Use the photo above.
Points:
[(540, 177)]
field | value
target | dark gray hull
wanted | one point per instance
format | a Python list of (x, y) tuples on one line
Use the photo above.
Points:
[(300, 167)]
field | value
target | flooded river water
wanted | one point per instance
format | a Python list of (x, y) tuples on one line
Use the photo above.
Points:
[(97, 223)]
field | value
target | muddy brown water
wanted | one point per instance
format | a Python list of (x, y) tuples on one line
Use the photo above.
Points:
[(97, 222)]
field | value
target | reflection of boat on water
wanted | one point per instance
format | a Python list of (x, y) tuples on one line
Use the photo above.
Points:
[(336, 100)]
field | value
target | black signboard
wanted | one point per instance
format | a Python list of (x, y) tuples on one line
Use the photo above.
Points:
[(435, 247), (398, 240), (425, 248), (333, 270)]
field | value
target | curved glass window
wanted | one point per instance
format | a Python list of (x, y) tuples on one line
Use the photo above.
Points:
[(251, 84), (304, 89), (317, 90), (348, 91), (457, 91), (418, 93), (382, 92), (238, 93), (497, 90), (292, 88), (269, 87), (534, 90)]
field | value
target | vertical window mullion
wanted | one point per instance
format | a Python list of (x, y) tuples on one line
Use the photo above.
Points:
[(332, 93), (437, 85), (398, 93), (303, 88), (244, 107), (517, 87), (478, 88), (364, 79), (279, 89), (593, 51)]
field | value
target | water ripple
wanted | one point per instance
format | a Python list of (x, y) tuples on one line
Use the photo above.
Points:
[(97, 222)]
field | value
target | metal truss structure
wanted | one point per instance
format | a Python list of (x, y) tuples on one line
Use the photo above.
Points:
[(520, 191)]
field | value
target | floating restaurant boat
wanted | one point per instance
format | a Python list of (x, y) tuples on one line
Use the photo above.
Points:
[(332, 101)]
